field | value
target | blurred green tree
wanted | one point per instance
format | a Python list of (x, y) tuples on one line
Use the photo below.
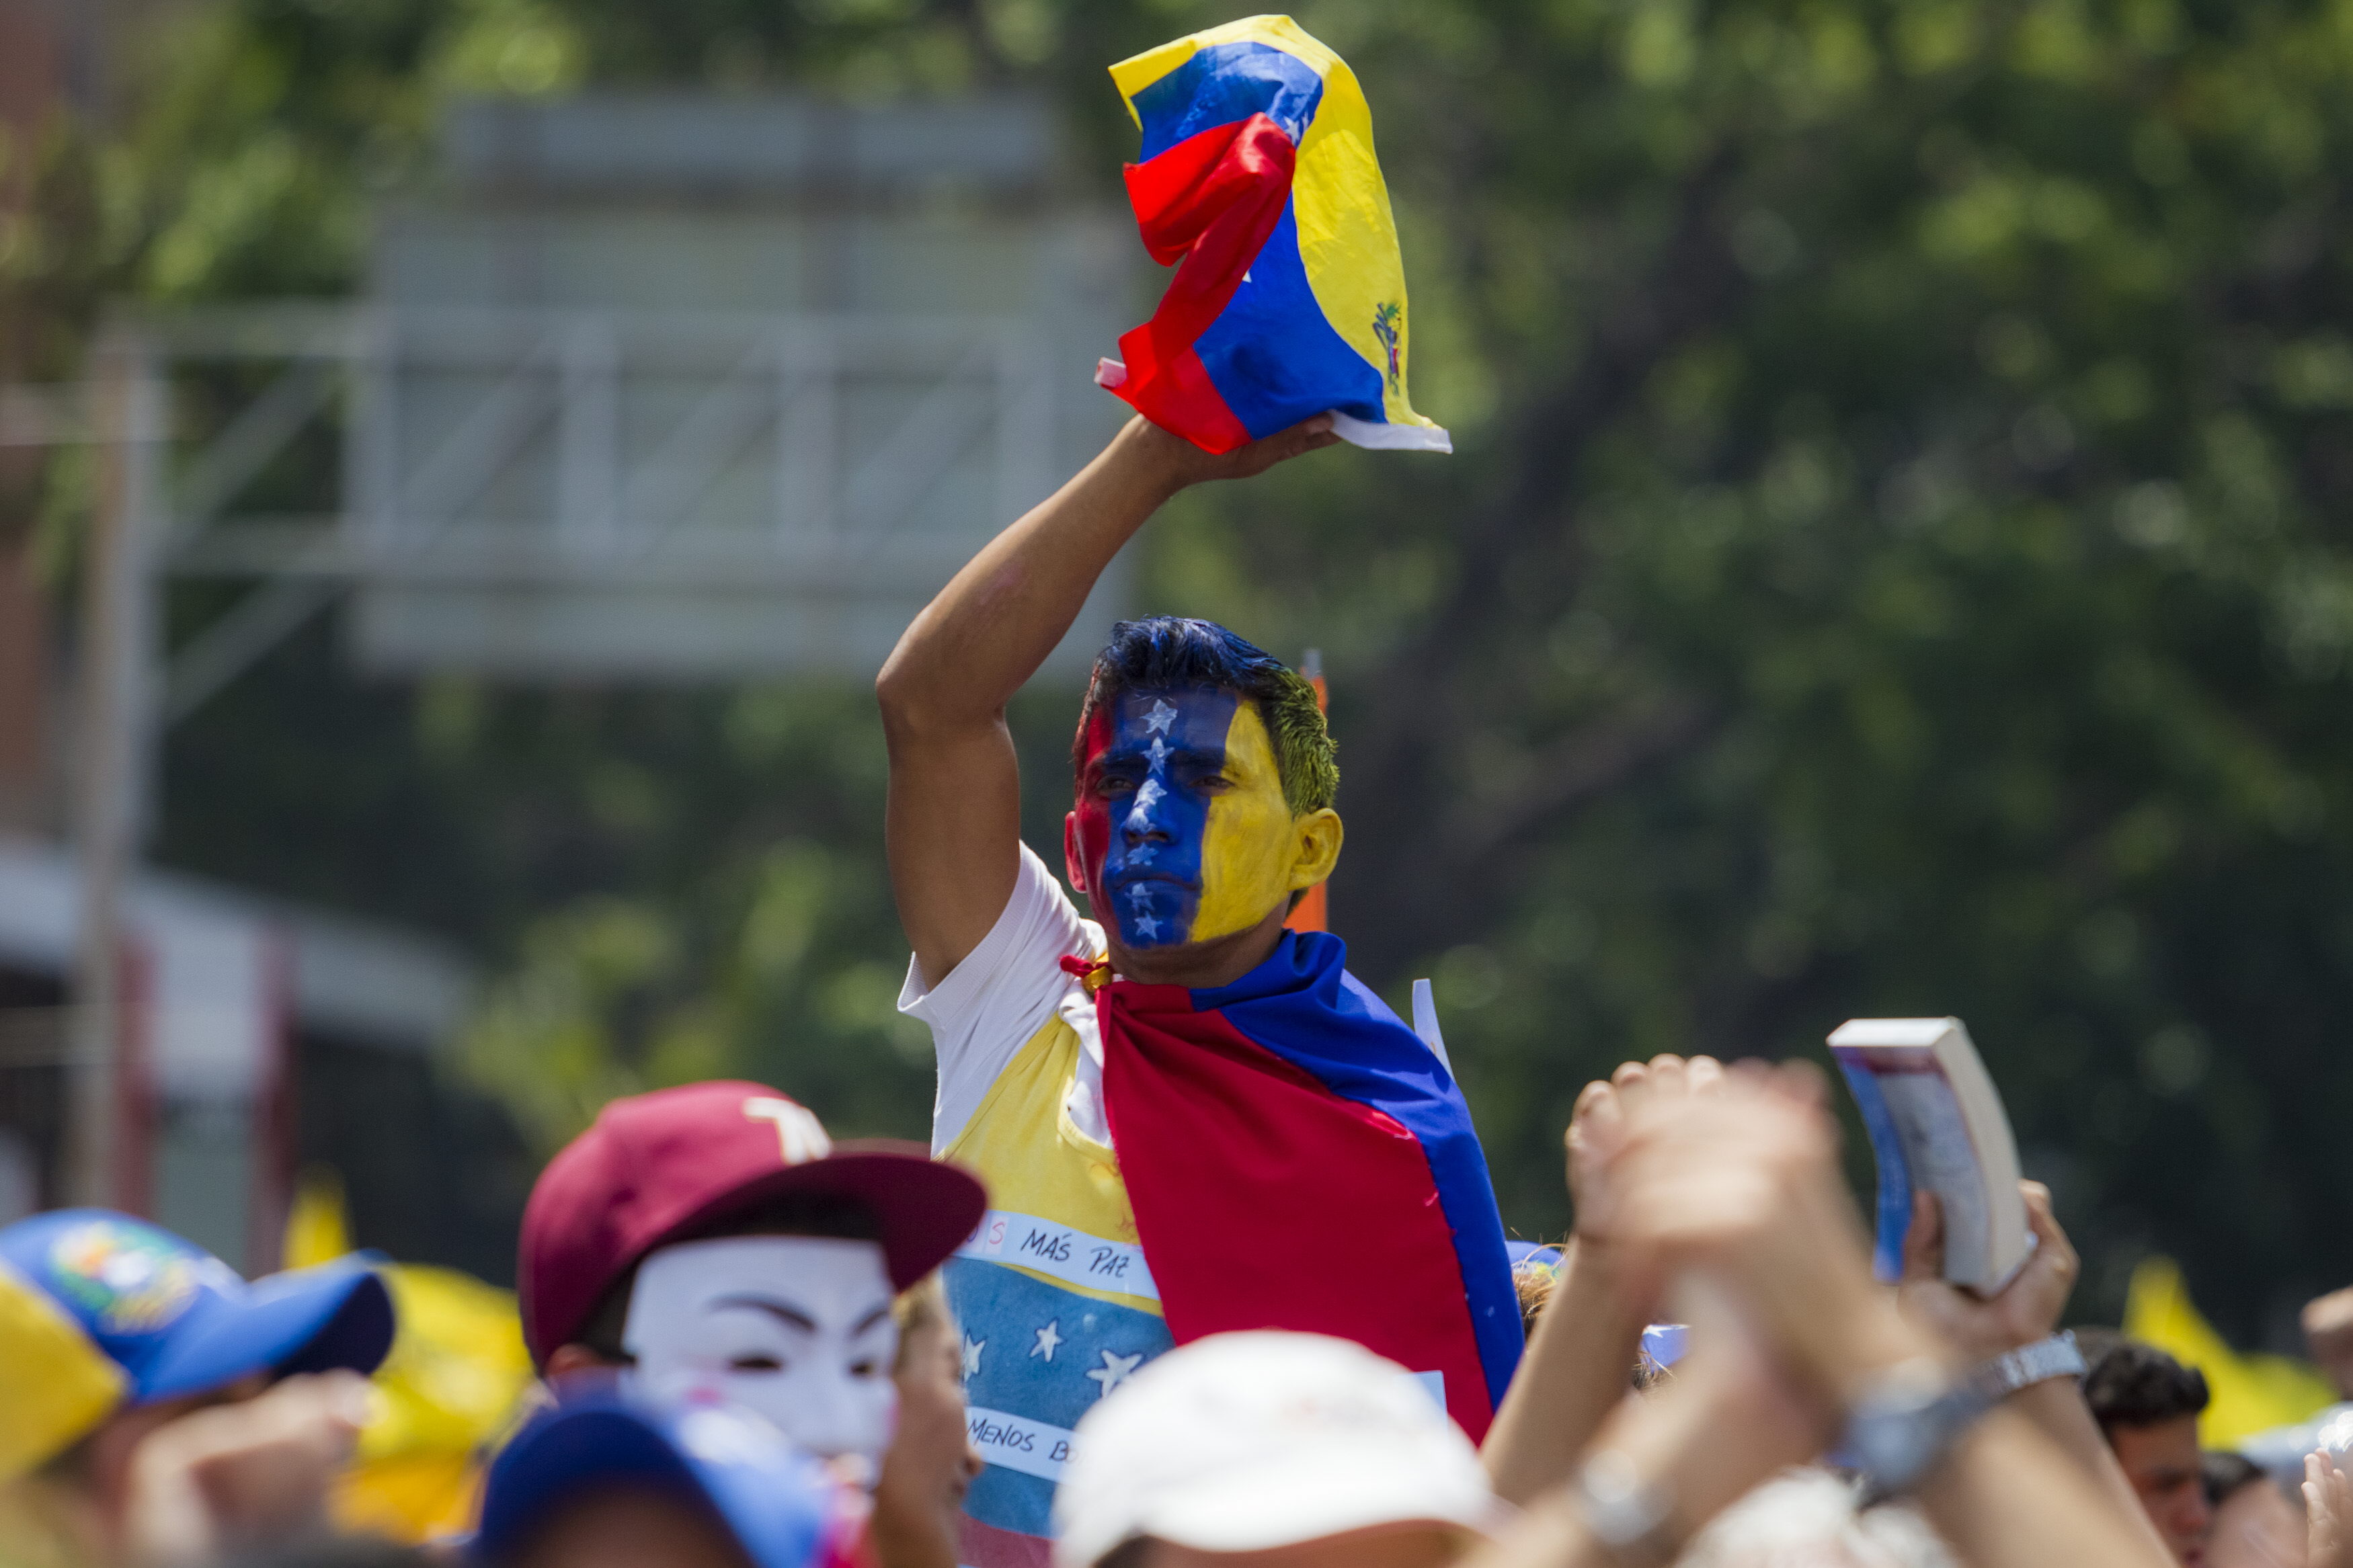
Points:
[(1894, 564)]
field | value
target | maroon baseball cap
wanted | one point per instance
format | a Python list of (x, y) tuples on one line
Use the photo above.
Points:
[(654, 1166)]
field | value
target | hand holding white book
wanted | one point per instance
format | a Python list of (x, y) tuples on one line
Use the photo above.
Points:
[(1936, 1124)]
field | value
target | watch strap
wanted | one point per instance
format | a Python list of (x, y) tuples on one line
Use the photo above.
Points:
[(2057, 1356)]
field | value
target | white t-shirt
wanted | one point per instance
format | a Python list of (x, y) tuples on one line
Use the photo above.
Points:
[(1004, 992)]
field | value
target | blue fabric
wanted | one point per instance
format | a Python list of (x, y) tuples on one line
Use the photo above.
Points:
[(1226, 83), (1303, 1006), (1272, 354)]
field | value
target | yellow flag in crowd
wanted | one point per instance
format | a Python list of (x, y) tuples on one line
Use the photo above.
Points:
[(2250, 1394), (444, 1394)]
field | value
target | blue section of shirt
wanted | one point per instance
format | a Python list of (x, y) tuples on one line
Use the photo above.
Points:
[(1043, 1354), (1225, 83)]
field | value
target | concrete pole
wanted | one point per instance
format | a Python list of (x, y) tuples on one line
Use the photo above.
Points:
[(113, 717)]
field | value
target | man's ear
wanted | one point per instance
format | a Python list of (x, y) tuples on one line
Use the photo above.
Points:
[(566, 1360), (1073, 865), (1315, 847)]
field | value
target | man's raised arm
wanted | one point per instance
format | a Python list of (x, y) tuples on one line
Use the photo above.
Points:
[(954, 822)]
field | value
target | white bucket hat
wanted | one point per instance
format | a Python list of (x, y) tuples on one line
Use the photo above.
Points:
[(1246, 1441)]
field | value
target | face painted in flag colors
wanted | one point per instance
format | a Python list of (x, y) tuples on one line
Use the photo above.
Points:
[(1181, 833)]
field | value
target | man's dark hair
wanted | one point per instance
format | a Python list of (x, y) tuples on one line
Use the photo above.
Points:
[(2226, 1474), (836, 1215), (1163, 653), (2130, 1384)]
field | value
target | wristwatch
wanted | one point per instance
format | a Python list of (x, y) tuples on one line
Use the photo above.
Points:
[(2055, 1357), (1908, 1418)]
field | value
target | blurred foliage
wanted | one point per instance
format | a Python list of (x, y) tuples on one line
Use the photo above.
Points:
[(1895, 563)]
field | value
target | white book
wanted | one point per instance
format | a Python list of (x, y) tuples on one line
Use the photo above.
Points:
[(1937, 1123)]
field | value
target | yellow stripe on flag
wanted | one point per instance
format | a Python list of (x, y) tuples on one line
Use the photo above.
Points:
[(2251, 1393)]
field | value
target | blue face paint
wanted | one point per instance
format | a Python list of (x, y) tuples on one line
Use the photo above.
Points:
[(1144, 810)]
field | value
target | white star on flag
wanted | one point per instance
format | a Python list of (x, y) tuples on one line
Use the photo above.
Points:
[(1160, 718), (1114, 1370), (1049, 1338), (971, 1349)]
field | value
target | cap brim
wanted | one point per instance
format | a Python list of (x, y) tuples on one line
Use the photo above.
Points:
[(336, 1315), (926, 1208), (569, 1452), (1336, 1490)]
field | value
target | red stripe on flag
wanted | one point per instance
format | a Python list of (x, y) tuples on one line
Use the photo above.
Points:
[(1266, 1201), (1209, 203), (982, 1545)]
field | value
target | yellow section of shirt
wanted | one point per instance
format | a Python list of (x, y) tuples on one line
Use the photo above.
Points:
[(1022, 1143)]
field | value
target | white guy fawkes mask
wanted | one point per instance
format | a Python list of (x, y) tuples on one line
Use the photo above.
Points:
[(794, 1328)]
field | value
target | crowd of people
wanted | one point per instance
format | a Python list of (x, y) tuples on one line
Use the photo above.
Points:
[(1202, 1268)]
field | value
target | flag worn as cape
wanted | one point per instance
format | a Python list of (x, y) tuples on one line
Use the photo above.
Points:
[(1298, 1159), (1257, 178)]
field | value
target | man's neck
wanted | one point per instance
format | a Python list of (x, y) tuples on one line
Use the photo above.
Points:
[(1197, 965)]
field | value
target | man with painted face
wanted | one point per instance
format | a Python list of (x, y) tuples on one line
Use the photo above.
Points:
[(1288, 1153)]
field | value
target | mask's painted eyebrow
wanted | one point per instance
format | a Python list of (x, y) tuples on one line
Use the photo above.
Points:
[(869, 1320), (789, 1314)]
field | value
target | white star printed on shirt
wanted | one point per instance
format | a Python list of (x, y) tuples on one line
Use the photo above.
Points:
[(1048, 1337), (1114, 1370), (1160, 718), (971, 1349)]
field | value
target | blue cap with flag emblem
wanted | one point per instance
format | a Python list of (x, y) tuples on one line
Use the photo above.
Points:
[(178, 1321)]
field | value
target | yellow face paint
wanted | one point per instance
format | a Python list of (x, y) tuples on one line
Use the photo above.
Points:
[(1250, 853)]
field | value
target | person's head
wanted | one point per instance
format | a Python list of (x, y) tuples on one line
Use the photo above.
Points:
[(126, 1327), (605, 1481), (2147, 1403), (1203, 780), (711, 1241), (2255, 1525), (1297, 1450), (930, 1465)]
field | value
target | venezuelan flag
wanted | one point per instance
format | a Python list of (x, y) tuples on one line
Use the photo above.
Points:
[(1259, 181), (1297, 1158)]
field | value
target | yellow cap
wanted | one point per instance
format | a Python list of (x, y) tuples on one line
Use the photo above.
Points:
[(55, 1382)]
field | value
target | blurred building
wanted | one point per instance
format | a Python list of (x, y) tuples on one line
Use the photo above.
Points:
[(666, 388)]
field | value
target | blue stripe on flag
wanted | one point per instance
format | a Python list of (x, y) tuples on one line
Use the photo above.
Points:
[(1271, 354), (1224, 84)]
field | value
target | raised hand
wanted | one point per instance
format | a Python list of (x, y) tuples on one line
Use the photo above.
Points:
[(1597, 1127), (1189, 464), (1740, 1187), (244, 1475), (2022, 1312)]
